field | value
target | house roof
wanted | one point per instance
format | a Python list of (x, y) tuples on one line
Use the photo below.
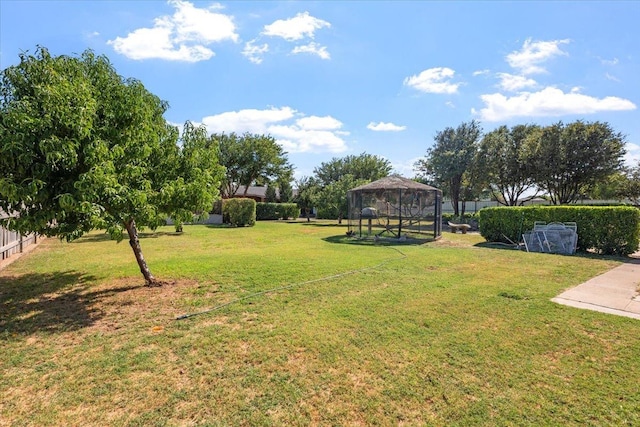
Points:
[(395, 183)]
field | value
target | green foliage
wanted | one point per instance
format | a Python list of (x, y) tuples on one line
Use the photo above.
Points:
[(630, 185), (608, 188), (568, 159), (81, 147), (270, 194), (328, 189), (240, 211), (365, 167), (286, 190), (605, 229), (503, 165), (307, 194), (332, 199), (193, 177), (448, 163), (271, 211), (249, 159)]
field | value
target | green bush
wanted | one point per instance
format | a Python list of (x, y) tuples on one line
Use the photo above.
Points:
[(612, 230), (240, 212), (270, 211), (289, 211)]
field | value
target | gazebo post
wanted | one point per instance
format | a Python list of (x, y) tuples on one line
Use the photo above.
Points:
[(400, 213)]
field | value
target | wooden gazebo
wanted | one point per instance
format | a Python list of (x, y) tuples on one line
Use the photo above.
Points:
[(395, 207)]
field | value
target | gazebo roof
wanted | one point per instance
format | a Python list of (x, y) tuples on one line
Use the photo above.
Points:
[(394, 183)]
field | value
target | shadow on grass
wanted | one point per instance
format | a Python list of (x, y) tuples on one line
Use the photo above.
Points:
[(52, 302), (497, 245), (224, 226), (580, 254), (93, 238), (320, 224), (97, 238), (371, 242), (156, 234)]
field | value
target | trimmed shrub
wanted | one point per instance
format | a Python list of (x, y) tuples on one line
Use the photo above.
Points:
[(271, 211), (267, 211), (289, 211), (611, 230), (240, 212)]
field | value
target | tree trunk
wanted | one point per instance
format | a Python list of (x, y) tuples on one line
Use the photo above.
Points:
[(137, 251), (454, 205)]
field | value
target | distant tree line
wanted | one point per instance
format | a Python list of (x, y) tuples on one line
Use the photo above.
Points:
[(566, 162)]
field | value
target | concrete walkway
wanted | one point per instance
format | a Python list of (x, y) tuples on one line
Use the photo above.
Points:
[(615, 292)]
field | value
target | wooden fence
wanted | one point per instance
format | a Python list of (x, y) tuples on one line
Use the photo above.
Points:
[(12, 242)]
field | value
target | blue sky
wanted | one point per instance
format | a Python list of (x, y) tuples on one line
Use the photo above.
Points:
[(330, 79)]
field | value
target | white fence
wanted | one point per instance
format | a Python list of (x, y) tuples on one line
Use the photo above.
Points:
[(474, 206), (12, 242)]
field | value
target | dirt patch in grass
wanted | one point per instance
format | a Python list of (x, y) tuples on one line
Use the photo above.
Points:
[(63, 302)]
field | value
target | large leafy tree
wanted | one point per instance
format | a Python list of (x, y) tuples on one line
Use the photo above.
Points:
[(570, 158), (332, 198), (448, 162), (630, 185), (364, 166), (503, 165), (609, 188), (307, 195), (251, 159), (191, 175), (334, 178), (82, 148)]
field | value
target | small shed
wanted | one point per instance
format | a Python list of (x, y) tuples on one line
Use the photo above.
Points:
[(395, 207)]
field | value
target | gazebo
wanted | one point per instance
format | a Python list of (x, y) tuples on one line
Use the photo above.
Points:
[(395, 207)]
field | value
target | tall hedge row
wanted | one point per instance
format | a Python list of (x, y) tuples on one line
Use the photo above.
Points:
[(240, 212), (266, 211), (613, 230)]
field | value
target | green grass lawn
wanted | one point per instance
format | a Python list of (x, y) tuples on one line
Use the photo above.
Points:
[(444, 333)]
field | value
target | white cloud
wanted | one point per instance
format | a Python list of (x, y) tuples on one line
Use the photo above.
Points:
[(319, 123), (253, 52), (382, 127), (632, 157), (305, 134), (433, 80), (300, 26), (183, 36), (406, 168), (532, 54), (514, 83), (611, 62), (314, 49), (612, 78), (299, 140), (250, 120), (480, 73), (549, 101)]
